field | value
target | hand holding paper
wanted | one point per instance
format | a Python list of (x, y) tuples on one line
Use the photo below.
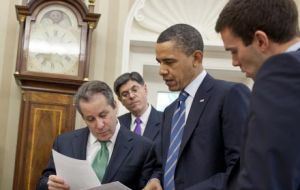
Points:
[(79, 175)]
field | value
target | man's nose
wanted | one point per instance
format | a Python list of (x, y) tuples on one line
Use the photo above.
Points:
[(99, 123), (235, 62), (131, 94), (162, 69)]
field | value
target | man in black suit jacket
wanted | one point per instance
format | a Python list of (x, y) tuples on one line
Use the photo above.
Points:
[(215, 113), (263, 38), (132, 92), (131, 157)]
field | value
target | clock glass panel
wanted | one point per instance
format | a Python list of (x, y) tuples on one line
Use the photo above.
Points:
[(54, 42)]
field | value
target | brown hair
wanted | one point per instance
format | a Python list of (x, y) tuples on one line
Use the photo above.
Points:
[(277, 18)]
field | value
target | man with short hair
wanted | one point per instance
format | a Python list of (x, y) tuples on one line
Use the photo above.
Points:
[(142, 118), (263, 38), (115, 153), (200, 130)]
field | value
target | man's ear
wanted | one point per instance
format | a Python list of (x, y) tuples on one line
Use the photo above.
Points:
[(116, 105), (198, 56), (146, 88), (261, 40), (119, 98)]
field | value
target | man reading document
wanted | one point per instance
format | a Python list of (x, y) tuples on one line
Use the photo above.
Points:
[(115, 153)]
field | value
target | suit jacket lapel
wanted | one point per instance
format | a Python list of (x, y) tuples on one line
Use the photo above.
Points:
[(200, 101), (152, 127), (79, 144), (126, 121), (121, 150)]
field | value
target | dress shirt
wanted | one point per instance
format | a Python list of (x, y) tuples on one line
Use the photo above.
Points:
[(93, 146), (191, 89), (294, 47), (144, 118)]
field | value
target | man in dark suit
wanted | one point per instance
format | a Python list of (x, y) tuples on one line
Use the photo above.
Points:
[(263, 38), (129, 158), (132, 92), (213, 117)]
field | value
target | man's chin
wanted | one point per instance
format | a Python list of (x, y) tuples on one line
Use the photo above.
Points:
[(103, 137), (249, 75), (173, 89)]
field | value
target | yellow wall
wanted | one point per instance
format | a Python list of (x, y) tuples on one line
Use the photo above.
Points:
[(9, 93)]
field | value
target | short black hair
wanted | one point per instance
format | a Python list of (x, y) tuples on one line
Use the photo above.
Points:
[(187, 38), (124, 78), (277, 18)]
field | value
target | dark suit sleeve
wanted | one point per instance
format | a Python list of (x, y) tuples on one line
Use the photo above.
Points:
[(270, 157), (235, 113), (149, 166), (235, 110), (49, 170), (157, 171)]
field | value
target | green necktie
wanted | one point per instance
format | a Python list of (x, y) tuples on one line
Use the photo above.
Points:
[(100, 161)]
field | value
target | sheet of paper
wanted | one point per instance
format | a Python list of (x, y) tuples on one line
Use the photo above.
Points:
[(111, 186), (80, 175), (77, 173)]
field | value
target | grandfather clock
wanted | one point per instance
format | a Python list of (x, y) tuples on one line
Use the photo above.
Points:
[(52, 62)]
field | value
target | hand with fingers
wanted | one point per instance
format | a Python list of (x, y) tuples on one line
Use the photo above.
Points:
[(57, 183)]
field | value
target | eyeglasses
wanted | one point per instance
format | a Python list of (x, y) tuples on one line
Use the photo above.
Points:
[(133, 90)]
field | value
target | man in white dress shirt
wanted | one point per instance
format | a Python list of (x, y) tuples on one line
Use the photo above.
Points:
[(115, 153), (142, 118)]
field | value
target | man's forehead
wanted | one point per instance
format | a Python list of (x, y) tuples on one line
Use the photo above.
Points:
[(130, 84), (230, 40)]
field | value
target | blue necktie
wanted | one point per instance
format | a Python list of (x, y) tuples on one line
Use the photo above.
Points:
[(178, 122)]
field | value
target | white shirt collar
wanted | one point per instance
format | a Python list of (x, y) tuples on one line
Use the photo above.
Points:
[(191, 89), (144, 117), (294, 47), (92, 139), (194, 85), (93, 146)]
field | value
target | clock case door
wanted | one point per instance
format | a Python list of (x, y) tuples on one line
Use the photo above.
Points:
[(43, 116)]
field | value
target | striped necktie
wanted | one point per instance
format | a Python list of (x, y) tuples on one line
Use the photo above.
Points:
[(178, 122)]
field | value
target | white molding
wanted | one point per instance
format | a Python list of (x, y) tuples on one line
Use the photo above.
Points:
[(148, 18), (126, 40), (153, 16)]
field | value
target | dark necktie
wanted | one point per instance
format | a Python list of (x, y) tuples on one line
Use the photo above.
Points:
[(138, 128), (177, 127)]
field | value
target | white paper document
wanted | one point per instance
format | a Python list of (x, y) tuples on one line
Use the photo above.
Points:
[(111, 186), (80, 175)]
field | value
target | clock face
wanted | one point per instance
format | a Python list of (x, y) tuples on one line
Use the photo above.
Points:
[(54, 43)]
